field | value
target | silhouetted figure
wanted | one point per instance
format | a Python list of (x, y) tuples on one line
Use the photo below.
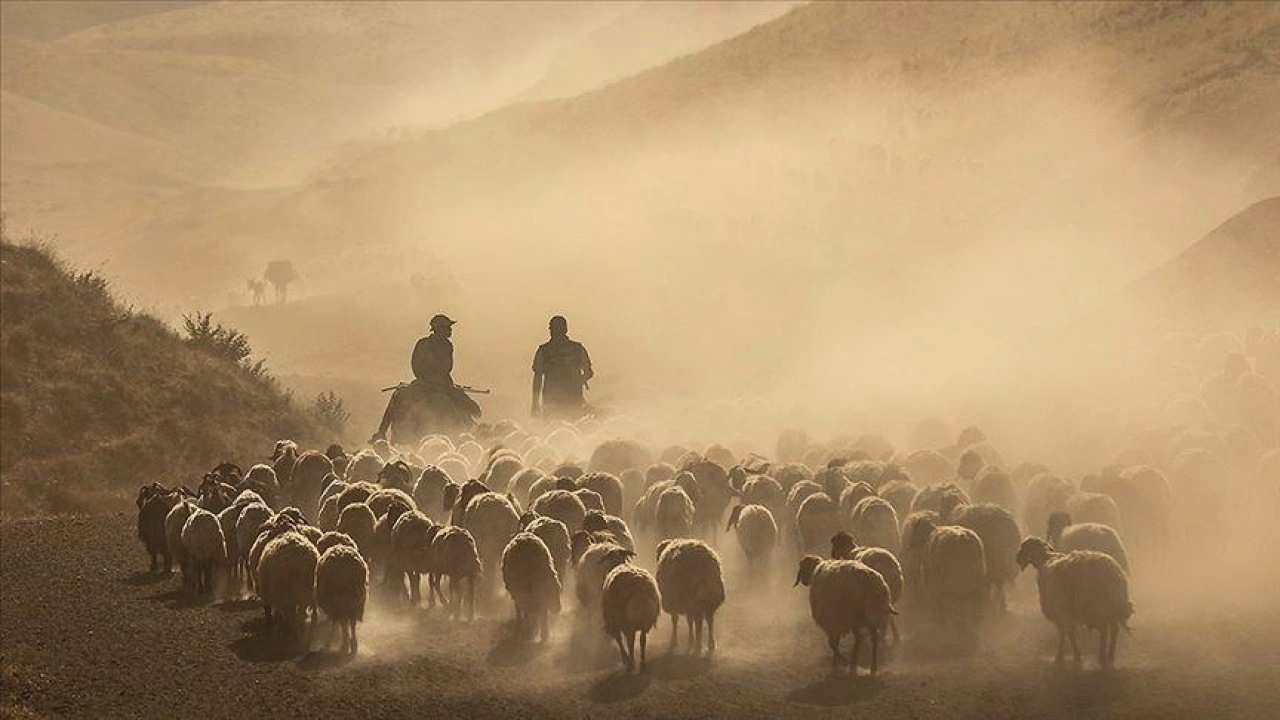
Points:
[(432, 364), (259, 290), (280, 273), (561, 370)]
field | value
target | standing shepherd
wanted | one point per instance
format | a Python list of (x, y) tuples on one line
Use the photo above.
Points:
[(561, 370)]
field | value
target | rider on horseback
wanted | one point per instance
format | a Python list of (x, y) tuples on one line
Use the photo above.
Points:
[(432, 364)]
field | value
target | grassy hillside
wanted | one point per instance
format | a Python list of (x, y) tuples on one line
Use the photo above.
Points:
[(96, 399), (1230, 278)]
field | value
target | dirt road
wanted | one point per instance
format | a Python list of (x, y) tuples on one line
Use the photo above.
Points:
[(85, 632)]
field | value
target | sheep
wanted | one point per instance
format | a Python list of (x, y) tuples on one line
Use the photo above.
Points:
[(690, 583), (262, 480), (248, 525), (274, 527), (521, 485), (173, 524), (379, 501), (1146, 504), (492, 521), (456, 557), (846, 596), (591, 499), (593, 565), (874, 522), (609, 488), (472, 451), (227, 520), (529, 575), (1067, 536), (851, 495), (932, 497), (308, 475), (1081, 587), (1088, 507), (458, 497), (412, 537), (630, 605), (503, 466), (616, 456), (995, 486), (792, 473), (356, 492), (332, 488), (1046, 493), (428, 492), (555, 536), (213, 495), (798, 493), (845, 547), (380, 551), (714, 494), (1000, 537), (900, 494), (944, 568), (286, 581), (205, 548), (757, 534), (658, 472), (358, 521), (929, 467), (396, 475), (327, 520), (342, 587), (333, 539), (364, 466), (816, 521), (763, 490), (673, 515), (616, 527), (152, 511)]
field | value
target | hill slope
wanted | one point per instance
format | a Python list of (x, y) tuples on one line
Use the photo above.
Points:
[(1230, 278), (96, 399)]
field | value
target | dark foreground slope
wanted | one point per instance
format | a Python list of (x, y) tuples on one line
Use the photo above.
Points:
[(83, 634), (1229, 278), (96, 399)]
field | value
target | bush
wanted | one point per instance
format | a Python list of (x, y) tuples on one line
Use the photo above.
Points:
[(329, 410), (216, 339)]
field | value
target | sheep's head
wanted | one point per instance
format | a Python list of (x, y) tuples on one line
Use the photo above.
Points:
[(285, 449), (686, 481), (808, 566), (334, 451), (842, 545), (615, 557), (396, 474), (1058, 521), (395, 509), (293, 514), (229, 472), (572, 472), (734, 515), (921, 529), (1034, 551), (971, 463), (662, 546), (146, 492), (383, 449), (838, 462), (950, 500), (565, 483), (451, 493), (971, 435), (583, 539), (527, 517), (594, 521)]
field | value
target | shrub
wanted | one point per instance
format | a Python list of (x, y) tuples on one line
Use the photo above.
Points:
[(216, 339), (329, 410)]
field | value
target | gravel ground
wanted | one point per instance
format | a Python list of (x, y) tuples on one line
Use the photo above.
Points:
[(86, 632)]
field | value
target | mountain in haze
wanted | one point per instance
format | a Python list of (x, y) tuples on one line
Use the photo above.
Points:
[(1228, 279)]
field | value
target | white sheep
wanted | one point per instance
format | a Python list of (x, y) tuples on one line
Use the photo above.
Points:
[(248, 525), (358, 521), (900, 494), (492, 521), (428, 493), (205, 547), (846, 596), (333, 539), (817, 519), (598, 522), (456, 557), (1045, 494), (630, 604), (1000, 537), (364, 466), (1081, 587), (593, 566), (411, 539), (529, 575), (1067, 536), (1089, 507), (555, 536), (591, 499), (995, 486), (173, 524), (757, 534), (673, 514), (287, 581), (690, 582), (874, 522), (845, 547), (261, 478), (342, 587), (153, 508), (953, 576), (608, 486)]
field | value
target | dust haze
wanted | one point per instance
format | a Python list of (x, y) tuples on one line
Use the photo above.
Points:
[(888, 219)]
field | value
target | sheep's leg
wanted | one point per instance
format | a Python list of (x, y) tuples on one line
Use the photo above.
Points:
[(1111, 651), (355, 642), (631, 649), (622, 650), (875, 650), (675, 630), (688, 623), (544, 621), (833, 641), (893, 625), (857, 652), (1102, 645), (168, 564), (711, 632), (155, 562), (1075, 647), (1001, 599), (697, 643), (644, 642), (334, 628), (1062, 642), (471, 599)]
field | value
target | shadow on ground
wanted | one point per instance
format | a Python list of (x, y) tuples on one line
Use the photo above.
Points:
[(836, 690), (142, 579), (618, 686)]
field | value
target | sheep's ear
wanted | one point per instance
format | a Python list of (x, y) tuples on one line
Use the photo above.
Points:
[(892, 610), (733, 517)]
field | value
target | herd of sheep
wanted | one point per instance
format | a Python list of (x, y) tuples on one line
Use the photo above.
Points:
[(928, 540)]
